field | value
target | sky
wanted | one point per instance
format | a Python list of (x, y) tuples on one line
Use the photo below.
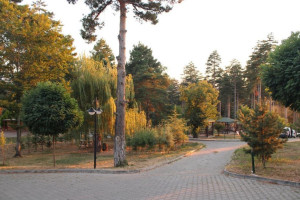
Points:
[(191, 31)]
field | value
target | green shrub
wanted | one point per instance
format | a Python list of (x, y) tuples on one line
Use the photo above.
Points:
[(142, 138), (219, 127), (164, 137), (178, 128)]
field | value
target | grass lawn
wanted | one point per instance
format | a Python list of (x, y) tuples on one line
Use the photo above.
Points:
[(69, 155), (284, 164)]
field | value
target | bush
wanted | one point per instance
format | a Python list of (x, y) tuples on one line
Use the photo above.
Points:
[(164, 137), (219, 127), (178, 128), (142, 138)]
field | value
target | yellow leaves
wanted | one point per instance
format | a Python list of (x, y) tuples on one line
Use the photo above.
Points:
[(108, 117), (2, 139), (134, 120), (201, 96)]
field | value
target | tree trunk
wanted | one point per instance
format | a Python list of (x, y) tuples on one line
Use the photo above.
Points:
[(18, 143), (119, 146), (53, 141), (235, 106), (228, 106)]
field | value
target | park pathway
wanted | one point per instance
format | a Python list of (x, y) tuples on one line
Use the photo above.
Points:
[(198, 176)]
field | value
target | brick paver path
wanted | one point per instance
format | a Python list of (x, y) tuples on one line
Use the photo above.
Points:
[(198, 176)]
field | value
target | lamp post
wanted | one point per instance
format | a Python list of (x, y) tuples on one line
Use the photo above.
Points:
[(95, 112)]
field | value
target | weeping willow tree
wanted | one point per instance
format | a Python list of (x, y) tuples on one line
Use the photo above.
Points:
[(135, 120), (96, 84)]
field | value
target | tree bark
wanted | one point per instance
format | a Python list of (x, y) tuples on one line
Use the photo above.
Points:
[(53, 141), (235, 103), (18, 143), (120, 145), (228, 106)]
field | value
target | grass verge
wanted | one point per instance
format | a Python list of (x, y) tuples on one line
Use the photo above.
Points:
[(70, 156), (284, 164)]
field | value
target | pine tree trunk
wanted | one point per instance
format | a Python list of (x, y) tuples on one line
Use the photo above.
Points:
[(119, 146), (18, 143), (235, 106), (228, 106)]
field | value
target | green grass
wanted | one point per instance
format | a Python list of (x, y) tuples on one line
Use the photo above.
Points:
[(73, 159), (284, 164)]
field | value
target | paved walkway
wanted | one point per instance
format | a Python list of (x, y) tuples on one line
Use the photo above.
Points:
[(198, 176)]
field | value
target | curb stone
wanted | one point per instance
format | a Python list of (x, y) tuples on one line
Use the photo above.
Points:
[(215, 140), (98, 171), (259, 178)]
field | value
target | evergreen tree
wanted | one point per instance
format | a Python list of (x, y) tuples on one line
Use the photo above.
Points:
[(225, 92), (102, 52), (261, 131), (150, 83), (212, 67), (190, 75), (144, 11), (174, 92), (259, 56), (237, 84)]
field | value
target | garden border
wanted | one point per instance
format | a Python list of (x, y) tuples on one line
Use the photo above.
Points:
[(264, 179)]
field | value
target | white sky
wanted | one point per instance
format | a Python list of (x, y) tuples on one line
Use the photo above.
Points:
[(191, 31)]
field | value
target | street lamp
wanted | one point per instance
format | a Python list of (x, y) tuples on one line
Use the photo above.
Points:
[(95, 112)]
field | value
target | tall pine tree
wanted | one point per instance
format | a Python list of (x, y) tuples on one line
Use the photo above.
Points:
[(144, 11), (212, 67), (253, 72), (190, 75), (150, 83)]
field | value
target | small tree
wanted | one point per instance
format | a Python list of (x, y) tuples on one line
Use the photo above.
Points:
[(201, 101), (2, 145), (178, 128), (261, 131), (219, 127), (49, 110)]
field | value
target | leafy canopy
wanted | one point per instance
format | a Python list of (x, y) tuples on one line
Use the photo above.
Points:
[(49, 109), (143, 11), (282, 73), (33, 49), (261, 130), (201, 101)]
